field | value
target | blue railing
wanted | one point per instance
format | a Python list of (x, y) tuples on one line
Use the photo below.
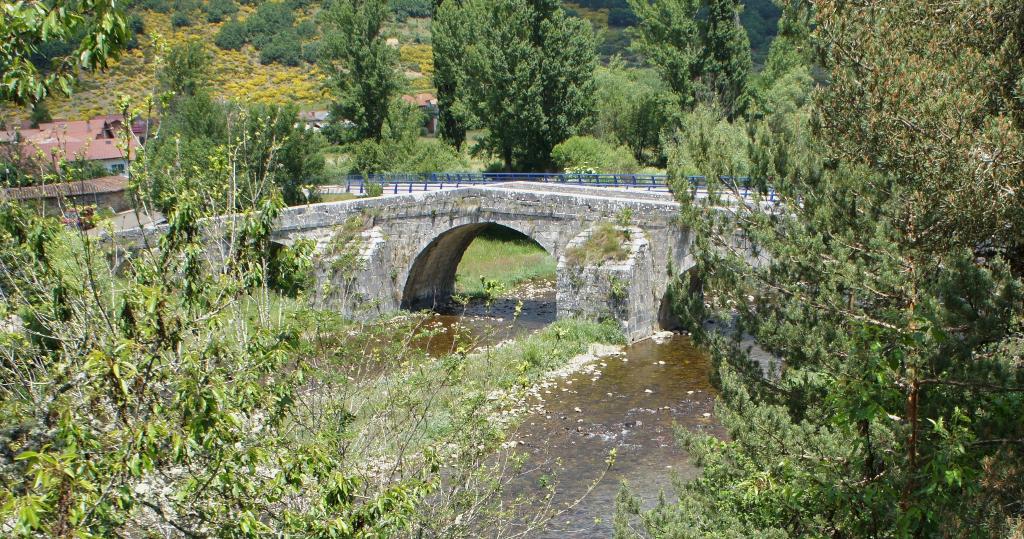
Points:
[(395, 183)]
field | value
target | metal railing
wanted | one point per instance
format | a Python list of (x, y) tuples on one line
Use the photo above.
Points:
[(396, 183)]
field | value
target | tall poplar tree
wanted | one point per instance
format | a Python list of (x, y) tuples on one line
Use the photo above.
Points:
[(889, 283), (452, 29), (701, 58), (362, 67), (667, 36), (533, 87), (726, 61)]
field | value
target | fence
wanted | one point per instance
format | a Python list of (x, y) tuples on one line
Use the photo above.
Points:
[(408, 183)]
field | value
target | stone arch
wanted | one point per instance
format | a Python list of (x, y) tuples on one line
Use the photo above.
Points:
[(431, 276)]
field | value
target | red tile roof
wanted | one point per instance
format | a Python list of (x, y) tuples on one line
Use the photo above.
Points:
[(106, 184), (91, 140), (420, 100)]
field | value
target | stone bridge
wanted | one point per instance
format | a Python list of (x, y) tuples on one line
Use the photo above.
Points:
[(381, 254), (377, 255)]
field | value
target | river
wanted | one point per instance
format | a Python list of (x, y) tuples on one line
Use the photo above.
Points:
[(631, 402)]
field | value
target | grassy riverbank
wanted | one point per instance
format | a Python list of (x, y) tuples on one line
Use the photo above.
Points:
[(452, 396), (396, 413), (505, 256)]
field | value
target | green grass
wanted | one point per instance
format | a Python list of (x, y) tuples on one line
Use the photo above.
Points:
[(505, 256), (452, 397), (336, 197), (606, 243)]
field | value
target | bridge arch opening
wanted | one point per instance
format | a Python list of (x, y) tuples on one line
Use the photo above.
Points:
[(496, 252)]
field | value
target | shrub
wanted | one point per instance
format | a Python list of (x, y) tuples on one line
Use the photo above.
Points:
[(136, 24), (159, 6), (231, 36), (373, 189), (136, 27), (268, 21), (306, 29), (185, 6), (283, 49), (622, 17), (433, 155), (180, 20), (311, 51), (403, 9), (591, 152), (369, 157), (220, 10)]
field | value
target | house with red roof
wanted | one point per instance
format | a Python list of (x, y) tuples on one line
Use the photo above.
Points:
[(100, 139), (428, 104)]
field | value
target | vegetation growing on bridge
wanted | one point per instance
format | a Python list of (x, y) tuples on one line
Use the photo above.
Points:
[(607, 242)]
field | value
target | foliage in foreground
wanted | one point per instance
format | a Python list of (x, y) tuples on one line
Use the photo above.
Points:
[(184, 396), (889, 282), (149, 402), (99, 28)]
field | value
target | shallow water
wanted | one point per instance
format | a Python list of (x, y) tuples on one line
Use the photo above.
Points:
[(476, 324), (630, 402), (633, 406)]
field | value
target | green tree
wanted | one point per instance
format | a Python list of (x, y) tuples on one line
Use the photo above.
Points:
[(451, 36), (726, 62), (633, 108), (285, 49), (220, 10), (533, 69), (274, 150), (180, 19), (29, 26), (185, 71), (669, 39), (269, 19), (889, 284), (362, 67)]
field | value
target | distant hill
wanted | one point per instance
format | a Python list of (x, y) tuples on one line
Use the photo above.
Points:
[(263, 51), (759, 17), (242, 73)]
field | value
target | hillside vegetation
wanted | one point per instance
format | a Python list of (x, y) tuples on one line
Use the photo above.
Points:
[(237, 74), (283, 71)]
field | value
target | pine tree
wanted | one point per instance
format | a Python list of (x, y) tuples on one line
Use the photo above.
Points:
[(533, 87), (889, 284), (726, 62), (362, 67)]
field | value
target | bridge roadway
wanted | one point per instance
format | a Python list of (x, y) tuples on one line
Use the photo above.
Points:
[(409, 183)]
